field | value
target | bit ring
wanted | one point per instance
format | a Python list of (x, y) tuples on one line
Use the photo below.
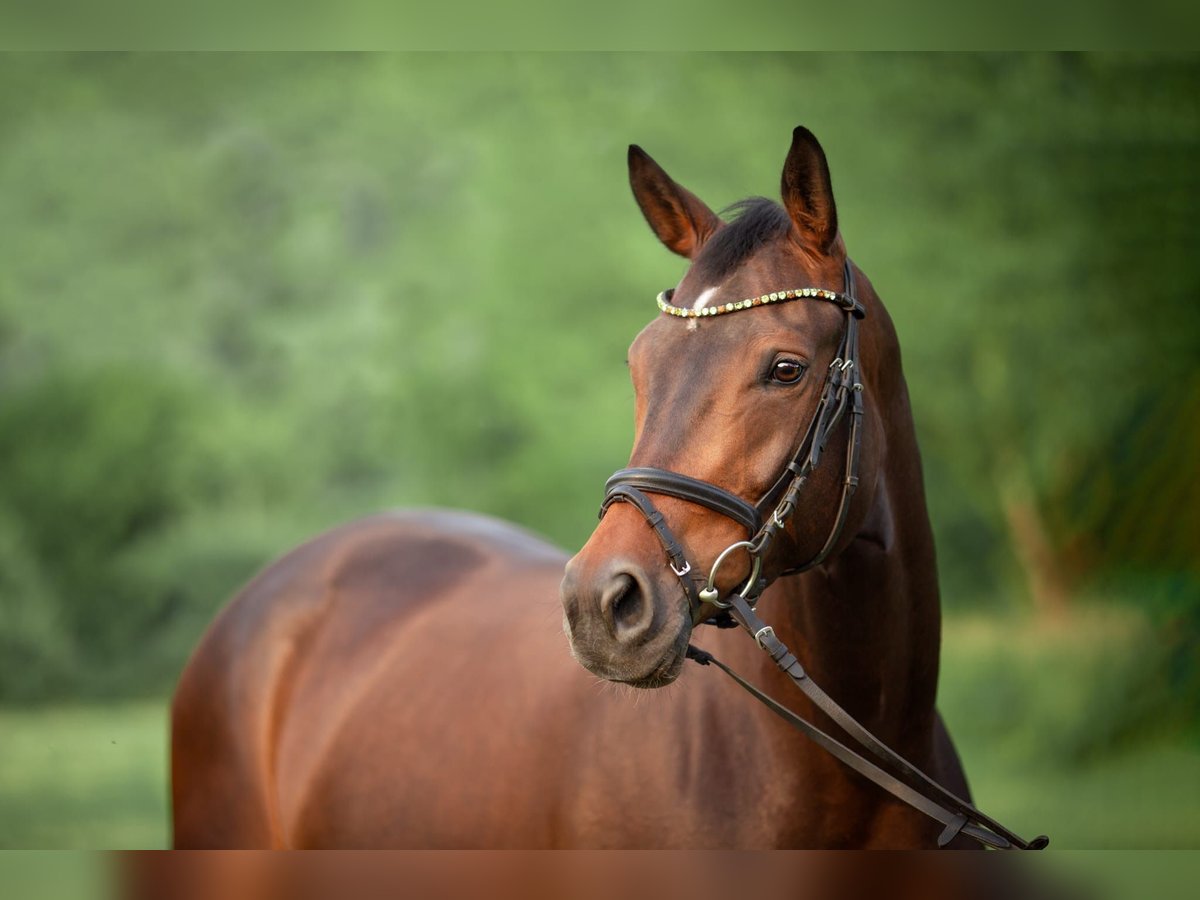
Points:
[(710, 594)]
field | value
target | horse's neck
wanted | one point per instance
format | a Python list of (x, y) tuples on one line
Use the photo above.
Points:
[(867, 624)]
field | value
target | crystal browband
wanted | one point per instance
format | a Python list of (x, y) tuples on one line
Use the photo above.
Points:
[(819, 293)]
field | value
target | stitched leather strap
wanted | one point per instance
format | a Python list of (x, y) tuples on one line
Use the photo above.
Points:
[(954, 822), (660, 481), (930, 797), (679, 564)]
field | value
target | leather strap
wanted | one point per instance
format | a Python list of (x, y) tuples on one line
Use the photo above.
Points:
[(679, 564), (931, 798), (684, 487), (842, 391)]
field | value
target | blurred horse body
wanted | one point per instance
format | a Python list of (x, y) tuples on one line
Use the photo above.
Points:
[(404, 681), (344, 699)]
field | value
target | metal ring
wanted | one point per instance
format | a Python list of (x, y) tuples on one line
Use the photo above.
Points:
[(755, 569)]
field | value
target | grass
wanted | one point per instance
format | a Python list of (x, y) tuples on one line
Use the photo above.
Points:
[(79, 778), (1064, 728), (84, 777), (1037, 711), (1141, 799)]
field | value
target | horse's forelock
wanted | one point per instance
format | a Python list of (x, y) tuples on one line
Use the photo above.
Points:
[(756, 221)]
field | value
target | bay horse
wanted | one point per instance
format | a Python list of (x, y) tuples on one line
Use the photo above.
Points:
[(403, 680)]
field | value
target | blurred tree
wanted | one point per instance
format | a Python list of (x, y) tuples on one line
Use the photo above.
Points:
[(1069, 189)]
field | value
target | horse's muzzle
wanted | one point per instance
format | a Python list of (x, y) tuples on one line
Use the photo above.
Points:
[(622, 624)]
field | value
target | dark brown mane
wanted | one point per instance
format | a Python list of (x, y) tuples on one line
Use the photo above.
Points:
[(756, 221)]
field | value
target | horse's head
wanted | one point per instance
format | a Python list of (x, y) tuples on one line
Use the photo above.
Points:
[(727, 402)]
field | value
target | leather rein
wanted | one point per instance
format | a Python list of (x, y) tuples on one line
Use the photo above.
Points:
[(841, 399)]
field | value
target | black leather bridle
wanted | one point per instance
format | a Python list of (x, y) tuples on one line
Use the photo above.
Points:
[(841, 396)]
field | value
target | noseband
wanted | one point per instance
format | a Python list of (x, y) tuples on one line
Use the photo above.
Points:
[(842, 394)]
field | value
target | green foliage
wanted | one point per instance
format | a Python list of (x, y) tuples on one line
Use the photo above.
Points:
[(91, 463), (33, 642), (246, 297), (1036, 693), (84, 777)]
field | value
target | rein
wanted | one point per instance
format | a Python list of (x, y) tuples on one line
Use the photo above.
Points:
[(929, 797), (841, 396)]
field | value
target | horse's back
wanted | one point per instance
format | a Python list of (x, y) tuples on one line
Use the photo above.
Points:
[(368, 637)]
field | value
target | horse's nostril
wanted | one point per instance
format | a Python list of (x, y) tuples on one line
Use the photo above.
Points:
[(627, 607)]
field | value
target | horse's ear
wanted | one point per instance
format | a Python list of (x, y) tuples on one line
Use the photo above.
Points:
[(808, 193), (680, 219)]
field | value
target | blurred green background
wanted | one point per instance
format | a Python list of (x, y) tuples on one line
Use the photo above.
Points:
[(246, 297)]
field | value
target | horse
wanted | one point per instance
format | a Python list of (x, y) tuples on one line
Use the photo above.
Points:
[(404, 680)]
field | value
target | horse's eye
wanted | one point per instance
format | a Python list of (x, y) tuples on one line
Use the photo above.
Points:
[(787, 371)]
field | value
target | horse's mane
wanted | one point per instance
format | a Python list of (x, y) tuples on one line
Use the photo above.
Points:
[(756, 221)]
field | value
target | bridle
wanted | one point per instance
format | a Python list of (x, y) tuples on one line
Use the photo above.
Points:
[(841, 397), (842, 394)]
